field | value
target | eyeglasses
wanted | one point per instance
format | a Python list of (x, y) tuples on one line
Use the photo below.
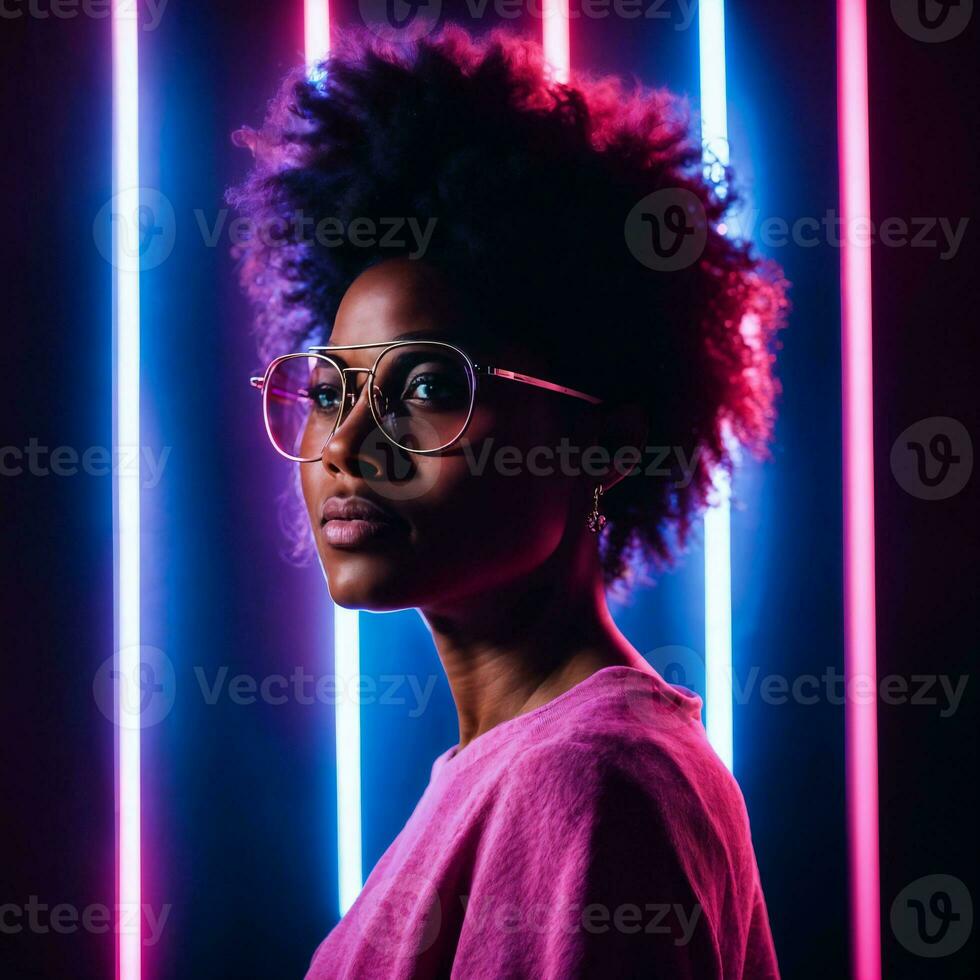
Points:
[(421, 395)]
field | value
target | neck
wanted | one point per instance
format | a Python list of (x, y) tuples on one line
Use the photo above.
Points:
[(513, 649)]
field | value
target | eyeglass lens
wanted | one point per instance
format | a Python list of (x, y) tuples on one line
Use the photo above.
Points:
[(421, 396)]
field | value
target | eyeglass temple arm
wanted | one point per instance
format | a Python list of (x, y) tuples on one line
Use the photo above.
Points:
[(279, 393), (536, 382), (257, 382)]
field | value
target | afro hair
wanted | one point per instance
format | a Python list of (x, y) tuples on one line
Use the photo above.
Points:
[(534, 187)]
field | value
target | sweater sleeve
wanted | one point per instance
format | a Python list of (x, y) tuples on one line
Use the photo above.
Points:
[(596, 863)]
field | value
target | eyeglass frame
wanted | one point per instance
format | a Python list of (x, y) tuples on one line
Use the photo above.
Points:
[(475, 370)]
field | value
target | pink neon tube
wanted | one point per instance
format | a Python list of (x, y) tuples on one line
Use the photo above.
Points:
[(859, 564), (126, 488)]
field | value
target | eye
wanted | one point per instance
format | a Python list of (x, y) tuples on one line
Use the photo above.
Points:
[(325, 398), (434, 387)]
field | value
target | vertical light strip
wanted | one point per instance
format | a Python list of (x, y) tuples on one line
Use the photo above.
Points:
[(717, 520), (348, 720), (861, 721), (714, 83), (126, 489), (554, 13), (718, 621), (316, 25), (346, 623)]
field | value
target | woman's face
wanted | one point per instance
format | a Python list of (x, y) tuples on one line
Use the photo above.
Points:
[(461, 522)]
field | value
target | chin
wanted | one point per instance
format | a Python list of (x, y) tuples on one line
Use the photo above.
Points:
[(357, 582)]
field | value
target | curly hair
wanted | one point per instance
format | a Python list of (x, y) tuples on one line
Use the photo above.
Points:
[(531, 183)]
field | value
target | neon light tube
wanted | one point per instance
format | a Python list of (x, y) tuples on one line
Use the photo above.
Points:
[(346, 623), (718, 621), (126, 486), (718, 519), (316, 22), (348, 722), (714, 84), (554, 14), (861, 722)]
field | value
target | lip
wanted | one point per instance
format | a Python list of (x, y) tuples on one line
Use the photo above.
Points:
[(351, 522)]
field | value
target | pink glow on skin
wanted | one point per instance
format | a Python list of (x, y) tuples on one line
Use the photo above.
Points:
[(859, 566), (555, 40)]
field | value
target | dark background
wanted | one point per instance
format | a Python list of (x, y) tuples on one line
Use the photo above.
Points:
[(239, 804)]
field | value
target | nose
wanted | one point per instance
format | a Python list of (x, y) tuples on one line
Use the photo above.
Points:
[(344, 450), (357, 447)]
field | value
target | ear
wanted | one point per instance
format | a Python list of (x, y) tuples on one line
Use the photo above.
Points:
[(624, 432)]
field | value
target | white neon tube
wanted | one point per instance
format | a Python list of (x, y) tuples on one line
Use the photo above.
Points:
[(348, 722), (346, 623), (554, 14), (316, 24), (717, 520)]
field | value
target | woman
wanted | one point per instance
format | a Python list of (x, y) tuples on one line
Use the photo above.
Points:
[(462, 257)]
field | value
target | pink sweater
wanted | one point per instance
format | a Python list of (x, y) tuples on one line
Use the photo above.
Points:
[(596, 836)]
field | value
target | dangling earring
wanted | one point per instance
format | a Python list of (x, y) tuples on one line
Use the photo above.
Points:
[(595, 520)]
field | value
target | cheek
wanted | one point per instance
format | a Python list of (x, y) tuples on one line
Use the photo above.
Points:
[(480, 531), (493, 509), (480, 516), (312, 478)]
